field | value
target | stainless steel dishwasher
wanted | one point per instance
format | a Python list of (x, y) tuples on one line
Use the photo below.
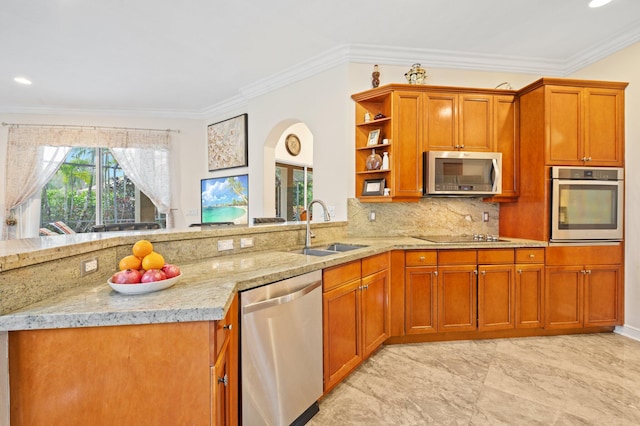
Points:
[(281, 351)]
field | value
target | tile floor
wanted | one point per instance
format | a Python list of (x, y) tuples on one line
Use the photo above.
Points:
[(591, 379)]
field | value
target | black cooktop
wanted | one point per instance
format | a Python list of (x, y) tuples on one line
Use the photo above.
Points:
[(452, 239)]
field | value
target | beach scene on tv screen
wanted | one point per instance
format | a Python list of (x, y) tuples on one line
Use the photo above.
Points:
[(225, 200)]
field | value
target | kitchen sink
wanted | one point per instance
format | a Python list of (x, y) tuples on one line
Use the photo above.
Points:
[(328, 250)]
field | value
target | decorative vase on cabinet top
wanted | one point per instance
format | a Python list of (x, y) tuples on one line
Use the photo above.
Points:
[(416, 75)]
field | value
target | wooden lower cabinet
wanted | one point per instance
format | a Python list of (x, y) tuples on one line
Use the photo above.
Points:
[(588, 294), (124, 375), (496, 297), (457, 298), (355, 314), (529, 279), (421, 292)]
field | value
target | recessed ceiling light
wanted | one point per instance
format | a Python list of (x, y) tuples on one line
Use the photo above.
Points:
[(22, 80), (598, 3)]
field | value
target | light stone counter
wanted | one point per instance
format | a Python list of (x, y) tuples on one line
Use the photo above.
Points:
[(206, 288)]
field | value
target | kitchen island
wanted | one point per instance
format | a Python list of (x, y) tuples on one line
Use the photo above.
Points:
[(98, 333)]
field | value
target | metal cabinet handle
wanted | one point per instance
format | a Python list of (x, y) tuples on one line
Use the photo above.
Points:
[(475, 271), (531, 256), (227, 326), (519, 271), (422, 258), (224, 380)]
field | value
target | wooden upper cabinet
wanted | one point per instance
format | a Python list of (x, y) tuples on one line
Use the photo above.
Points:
[(407, 143), (505, 130), (458, 122), (418, 118), (584, 125)]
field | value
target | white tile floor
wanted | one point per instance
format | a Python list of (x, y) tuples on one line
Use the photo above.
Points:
[(591, 379)]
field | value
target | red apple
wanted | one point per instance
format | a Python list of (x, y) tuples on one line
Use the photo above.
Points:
[(128, 276), (153, 275), (171, 270)]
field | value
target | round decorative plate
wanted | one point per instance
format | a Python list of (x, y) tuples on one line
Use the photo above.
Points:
[(141, 288)]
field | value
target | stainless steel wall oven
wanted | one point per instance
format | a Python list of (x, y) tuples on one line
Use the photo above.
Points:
[(587, 203)]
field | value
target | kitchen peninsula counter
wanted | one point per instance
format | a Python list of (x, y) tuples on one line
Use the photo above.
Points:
[(206, 288)]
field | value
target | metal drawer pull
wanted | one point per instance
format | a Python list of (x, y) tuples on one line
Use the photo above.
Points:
[(227, 326), (531, 256)]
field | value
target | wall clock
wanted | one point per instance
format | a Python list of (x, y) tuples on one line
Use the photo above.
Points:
[(292, 143)]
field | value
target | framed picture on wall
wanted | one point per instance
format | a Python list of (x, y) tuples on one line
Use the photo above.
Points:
[(227, 144)]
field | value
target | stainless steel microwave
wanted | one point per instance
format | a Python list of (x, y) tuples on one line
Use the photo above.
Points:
[(462, 173)]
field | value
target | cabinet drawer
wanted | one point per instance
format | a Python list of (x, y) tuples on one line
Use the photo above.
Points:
[(585, 255), (495, 256), (457, 257), (421, 258), (530, 255), (335, 276), (376, 263)]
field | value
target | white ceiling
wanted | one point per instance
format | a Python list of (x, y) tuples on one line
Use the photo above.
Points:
[(187, 58)]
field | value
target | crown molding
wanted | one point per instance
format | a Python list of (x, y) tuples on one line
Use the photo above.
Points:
[(625, 38), (55, 110)]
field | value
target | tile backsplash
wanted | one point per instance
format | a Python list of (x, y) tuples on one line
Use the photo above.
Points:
[(429, 216)]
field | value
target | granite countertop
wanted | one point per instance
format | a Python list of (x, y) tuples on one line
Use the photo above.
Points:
[(206, 287)]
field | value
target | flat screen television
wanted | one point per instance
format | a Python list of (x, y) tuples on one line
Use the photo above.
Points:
[(224, 200)]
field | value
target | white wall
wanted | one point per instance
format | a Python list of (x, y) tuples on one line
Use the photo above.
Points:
[(625, 66)]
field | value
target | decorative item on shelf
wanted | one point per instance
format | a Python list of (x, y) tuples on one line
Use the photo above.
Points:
[(374, 136), (373, 187), (374, 161), (504, 85), (378, 116), (367, 117), (385, 161), (375, 77), (387, 192), (416, 75), (385, 141)]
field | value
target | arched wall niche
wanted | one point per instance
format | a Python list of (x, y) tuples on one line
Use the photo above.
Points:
[(274, 151)]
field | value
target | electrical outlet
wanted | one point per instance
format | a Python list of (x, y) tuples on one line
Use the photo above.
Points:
[(88, 266), (372, 216), (246, 242), (485, 217), (225, 245)]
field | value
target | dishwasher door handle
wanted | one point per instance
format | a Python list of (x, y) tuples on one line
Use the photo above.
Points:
[(258, 306)]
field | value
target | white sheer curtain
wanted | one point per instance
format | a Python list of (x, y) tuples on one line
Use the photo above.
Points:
[(141, 165), (34, 154)]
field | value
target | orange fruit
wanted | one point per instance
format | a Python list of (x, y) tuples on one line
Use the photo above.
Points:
[(152, 261), (129, 262), (142, 248)]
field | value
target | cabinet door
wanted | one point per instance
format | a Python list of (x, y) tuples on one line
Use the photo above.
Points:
[(505, 130), (529, 296), (563, 109), (457, 298), (220, 392), (421, 300), (375, 318), (604, 127), (563, 297), (496, 297), (342, 344), (441, 128), (603, 295), (407, 144), (475, 123)]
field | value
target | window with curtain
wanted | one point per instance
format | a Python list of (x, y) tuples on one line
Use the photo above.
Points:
[(90, 188), (36, 152)]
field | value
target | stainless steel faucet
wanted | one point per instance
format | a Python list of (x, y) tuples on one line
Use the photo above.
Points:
[(327, 218)]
